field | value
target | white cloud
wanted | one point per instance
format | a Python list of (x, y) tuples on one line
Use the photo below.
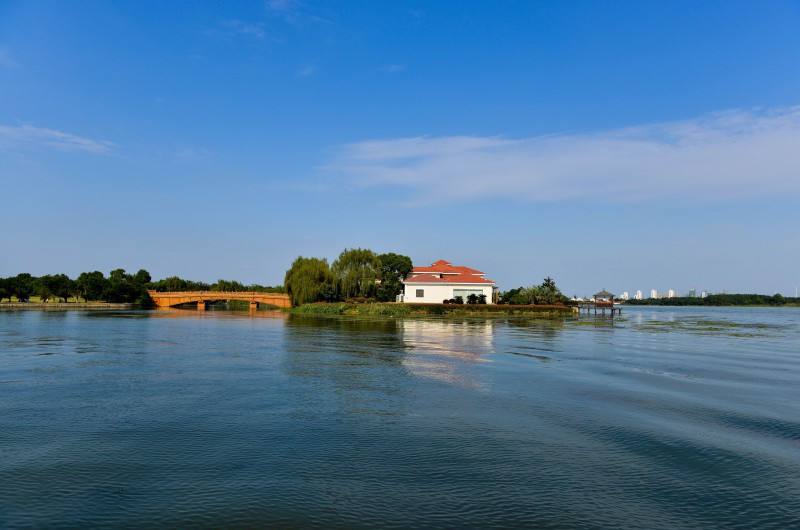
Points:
[(734, 154), (28, 136)]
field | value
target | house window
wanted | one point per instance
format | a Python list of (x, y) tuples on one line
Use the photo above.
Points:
[(464, 293), (420, 293)]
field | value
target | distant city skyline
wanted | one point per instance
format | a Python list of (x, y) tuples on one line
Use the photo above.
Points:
[(582, 141)]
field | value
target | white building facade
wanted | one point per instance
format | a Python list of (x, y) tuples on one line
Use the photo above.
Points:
[(444, 281)]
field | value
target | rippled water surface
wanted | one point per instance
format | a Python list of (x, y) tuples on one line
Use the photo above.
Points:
[(665, 418)]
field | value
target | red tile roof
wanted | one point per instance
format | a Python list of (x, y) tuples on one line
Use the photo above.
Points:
[(445, 267), (448, 278)]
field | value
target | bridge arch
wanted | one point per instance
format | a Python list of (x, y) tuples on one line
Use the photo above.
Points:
[(174, 298)]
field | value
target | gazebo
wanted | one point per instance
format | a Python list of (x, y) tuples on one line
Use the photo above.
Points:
[(603, 296)]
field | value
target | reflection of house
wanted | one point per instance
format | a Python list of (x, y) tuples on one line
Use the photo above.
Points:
[(443, 281)]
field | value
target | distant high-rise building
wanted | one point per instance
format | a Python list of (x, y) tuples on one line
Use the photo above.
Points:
[(692, 293), (638, 295), (653, 293), (671, 293), (624, 296), (703, 294)]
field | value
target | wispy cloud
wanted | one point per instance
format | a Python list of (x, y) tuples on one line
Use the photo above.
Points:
[(239, 28), (294, 12), (307, 71), (283, 5), (392, 68), (733, 154), (6, 60), (28, 136)]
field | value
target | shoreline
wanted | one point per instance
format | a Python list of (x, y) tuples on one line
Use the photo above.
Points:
[(65, 305), (389, 309)]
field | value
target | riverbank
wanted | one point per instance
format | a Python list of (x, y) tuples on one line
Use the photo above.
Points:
[(64, 305), (414, 310)]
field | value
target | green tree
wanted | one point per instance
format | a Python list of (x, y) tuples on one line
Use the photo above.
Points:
[(91, 285), (142, 277), (228, 286), (22, 286), (123, 287), (308, 280), (62, 286), (356, 272), (393, 270), (5, 291), (42, 288), (778, 299)]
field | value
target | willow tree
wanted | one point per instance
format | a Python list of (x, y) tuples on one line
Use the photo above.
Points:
[(308, 280), (356, 271)]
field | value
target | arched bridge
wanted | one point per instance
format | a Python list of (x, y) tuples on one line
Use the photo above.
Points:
[(171, 299)]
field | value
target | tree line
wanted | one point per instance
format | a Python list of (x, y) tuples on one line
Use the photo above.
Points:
[(545, 293), (356, 274), (118, 287), (719, 300)]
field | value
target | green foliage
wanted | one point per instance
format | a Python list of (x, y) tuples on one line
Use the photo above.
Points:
[(22, 286), (228, 286), (308, 280), (5, 290), (720, 300), (119, 286), (393, 269), (545, 293), (174, 283), (356, 272), (43, 289), (62, 286), (425, 310), (91, 285)]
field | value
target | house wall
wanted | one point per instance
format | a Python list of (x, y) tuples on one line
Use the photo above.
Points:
[(437, 293)]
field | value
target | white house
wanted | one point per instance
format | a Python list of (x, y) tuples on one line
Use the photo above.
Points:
[(444, 281)]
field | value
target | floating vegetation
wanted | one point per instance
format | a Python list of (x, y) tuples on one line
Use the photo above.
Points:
[(707, 326)]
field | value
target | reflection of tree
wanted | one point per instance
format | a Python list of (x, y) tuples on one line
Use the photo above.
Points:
[(356, 359), (543, 328)]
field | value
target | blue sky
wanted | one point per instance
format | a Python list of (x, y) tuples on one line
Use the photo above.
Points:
[(619, 145)]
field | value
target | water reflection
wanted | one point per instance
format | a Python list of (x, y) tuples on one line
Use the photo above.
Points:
[(439, 349)]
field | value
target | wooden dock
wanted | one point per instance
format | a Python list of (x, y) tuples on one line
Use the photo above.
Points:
[(599, 308)]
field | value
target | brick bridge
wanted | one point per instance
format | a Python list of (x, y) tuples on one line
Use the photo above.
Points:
[(171, 299)]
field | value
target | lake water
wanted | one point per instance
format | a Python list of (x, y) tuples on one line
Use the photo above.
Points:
[(665, 418)]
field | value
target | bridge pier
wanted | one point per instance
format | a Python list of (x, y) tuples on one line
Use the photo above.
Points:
[(201, 305), (253, 306)]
